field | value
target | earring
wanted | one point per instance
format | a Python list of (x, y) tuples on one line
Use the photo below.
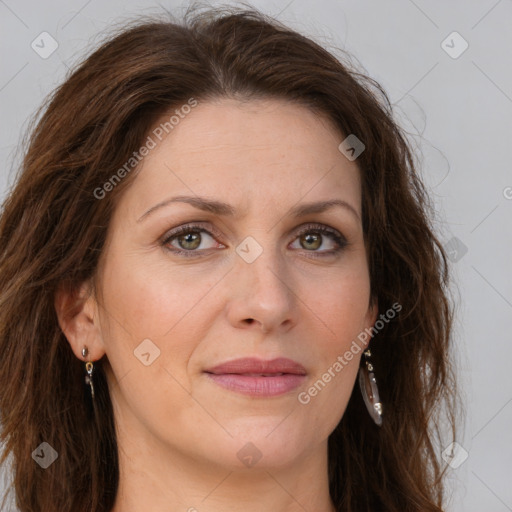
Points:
[(89, 367), (369, 390)]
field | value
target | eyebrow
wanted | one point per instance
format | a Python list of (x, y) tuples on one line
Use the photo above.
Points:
[(225, 209)]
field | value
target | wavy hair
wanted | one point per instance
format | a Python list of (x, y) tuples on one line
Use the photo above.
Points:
[(53, 228)]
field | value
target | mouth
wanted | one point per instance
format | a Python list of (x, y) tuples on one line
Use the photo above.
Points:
[(257, 377)]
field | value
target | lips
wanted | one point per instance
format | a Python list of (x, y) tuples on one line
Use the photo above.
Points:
[(257, 377), (258, 367)]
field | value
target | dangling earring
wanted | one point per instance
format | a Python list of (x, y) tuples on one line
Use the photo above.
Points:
[(89, 367), (369, 390)]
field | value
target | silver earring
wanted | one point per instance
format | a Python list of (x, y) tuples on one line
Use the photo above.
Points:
[(89, 367), (369, 390)]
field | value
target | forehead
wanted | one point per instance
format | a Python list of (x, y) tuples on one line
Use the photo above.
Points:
[(266, 150)]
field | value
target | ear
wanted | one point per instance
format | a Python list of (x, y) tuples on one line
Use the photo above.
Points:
[(371, 315), (77, 314), (373, 310)]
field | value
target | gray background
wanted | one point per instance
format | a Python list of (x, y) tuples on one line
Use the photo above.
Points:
[(458, 112)]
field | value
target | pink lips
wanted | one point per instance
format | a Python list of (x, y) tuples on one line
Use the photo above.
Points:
[(257, 377)]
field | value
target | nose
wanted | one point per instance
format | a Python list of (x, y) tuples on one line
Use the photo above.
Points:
[(261, 295)]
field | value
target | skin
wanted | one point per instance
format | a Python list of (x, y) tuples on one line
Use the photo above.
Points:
[(179, 432)]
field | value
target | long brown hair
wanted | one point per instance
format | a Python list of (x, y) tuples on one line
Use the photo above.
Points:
[(53, 227)]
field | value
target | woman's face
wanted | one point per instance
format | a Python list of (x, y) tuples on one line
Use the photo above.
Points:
[(249, 276)]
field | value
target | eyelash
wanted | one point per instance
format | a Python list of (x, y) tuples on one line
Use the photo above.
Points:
[(314, 228)]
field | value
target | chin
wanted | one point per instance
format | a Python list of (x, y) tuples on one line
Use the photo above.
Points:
[(262, 443)]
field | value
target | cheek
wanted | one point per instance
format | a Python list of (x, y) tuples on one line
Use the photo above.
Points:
[(147, 301), (343, 306), (338, 349), (151, 299), (342, 303)]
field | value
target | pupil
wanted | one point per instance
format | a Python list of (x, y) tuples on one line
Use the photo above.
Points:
[(187, 240), (312, 238)]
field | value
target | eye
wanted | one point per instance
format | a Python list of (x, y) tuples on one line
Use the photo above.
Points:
[(312, 237), (186, 240), (191, 239)]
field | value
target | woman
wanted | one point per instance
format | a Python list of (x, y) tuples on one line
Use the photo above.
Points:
[(220, 285)]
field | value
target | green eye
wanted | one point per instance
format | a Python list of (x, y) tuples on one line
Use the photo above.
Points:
[(187, 240)]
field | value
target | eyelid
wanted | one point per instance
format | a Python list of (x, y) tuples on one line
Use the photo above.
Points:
[(192, 226), (315, 226)]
